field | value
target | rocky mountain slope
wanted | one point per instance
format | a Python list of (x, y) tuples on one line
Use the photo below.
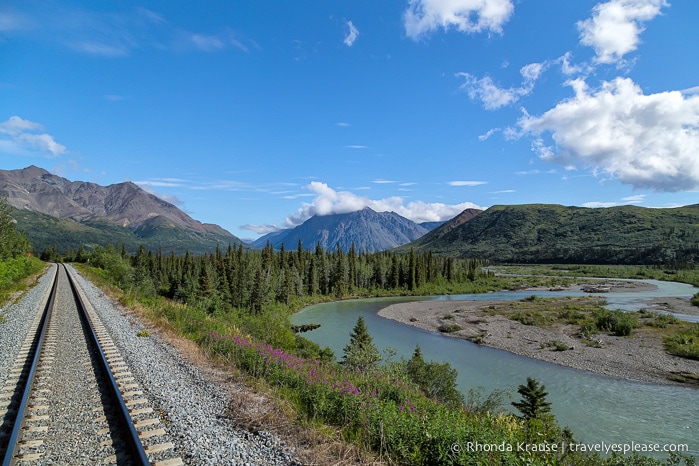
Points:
[(54, 210), (367, 229)]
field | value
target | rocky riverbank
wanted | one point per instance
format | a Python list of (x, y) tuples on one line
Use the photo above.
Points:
[(638, 357)]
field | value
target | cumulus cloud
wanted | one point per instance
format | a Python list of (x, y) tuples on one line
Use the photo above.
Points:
[(492, 96), (470, 16), (615, 27), (20, 136), (329, 201), (647, 141), (351, 35)]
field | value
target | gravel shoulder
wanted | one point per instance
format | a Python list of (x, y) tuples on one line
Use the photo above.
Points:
[(638, 357), (195, 409)]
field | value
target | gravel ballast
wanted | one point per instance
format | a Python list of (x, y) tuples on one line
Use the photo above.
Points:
[(192, 408)]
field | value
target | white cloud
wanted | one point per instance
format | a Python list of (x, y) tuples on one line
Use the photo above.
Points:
[(356, 146), (487, 134), (466, 183), (162, 183), (260, 229), (635, 199), (351, 35), (424, 16), (485, 90), (15, 126), (597, 204), (492, 96), (615, 27), (647, 141), (20, 136), (329, 201), (566, 67)]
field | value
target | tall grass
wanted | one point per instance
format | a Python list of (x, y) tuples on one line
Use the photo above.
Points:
[(14, 271)]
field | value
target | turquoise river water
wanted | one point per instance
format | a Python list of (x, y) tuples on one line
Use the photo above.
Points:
[(597, 408)]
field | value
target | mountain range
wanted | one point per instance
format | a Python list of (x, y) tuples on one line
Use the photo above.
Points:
[(52, 210), (367, 229)]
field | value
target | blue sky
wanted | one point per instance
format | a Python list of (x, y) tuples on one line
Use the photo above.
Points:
[(257, 115)]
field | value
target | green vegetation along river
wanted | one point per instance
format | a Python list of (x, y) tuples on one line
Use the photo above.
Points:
[(596, 408)]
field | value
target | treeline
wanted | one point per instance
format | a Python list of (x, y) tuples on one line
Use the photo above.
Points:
[(15, 264), (13, 243), (252, 279)]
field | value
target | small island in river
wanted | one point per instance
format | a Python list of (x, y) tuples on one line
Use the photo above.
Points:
[(499, 324)]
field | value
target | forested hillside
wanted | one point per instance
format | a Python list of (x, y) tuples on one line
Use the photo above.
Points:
[(545, 233)]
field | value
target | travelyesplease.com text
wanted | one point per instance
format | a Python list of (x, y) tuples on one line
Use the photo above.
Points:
[(563, 447)]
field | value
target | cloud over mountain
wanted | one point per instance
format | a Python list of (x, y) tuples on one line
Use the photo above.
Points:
[(329, 201)]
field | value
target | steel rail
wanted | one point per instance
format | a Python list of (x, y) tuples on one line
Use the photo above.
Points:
[(134, 447), (13, 445), (133, 442)]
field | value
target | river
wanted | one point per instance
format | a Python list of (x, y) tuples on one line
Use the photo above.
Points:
[(596, 408)]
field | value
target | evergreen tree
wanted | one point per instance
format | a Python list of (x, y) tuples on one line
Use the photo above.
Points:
[(360, 354), (12, 243), (533, 404), (437, 381)]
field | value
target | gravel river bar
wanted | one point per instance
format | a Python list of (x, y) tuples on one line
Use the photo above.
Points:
[(638, 357)]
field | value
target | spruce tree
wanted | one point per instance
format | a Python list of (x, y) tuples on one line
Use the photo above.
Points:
[(360, 354), (533, 404)]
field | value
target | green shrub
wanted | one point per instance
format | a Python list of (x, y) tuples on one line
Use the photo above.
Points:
[(620, 323), (451, 328), (530, 318), (684, 343), (662, 320), (556, 345)]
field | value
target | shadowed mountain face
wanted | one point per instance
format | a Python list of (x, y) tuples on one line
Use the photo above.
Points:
[(75, 213), (367, 229), (559, 234)]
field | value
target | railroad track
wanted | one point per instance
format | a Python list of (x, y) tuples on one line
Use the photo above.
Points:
[(71, 399)]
